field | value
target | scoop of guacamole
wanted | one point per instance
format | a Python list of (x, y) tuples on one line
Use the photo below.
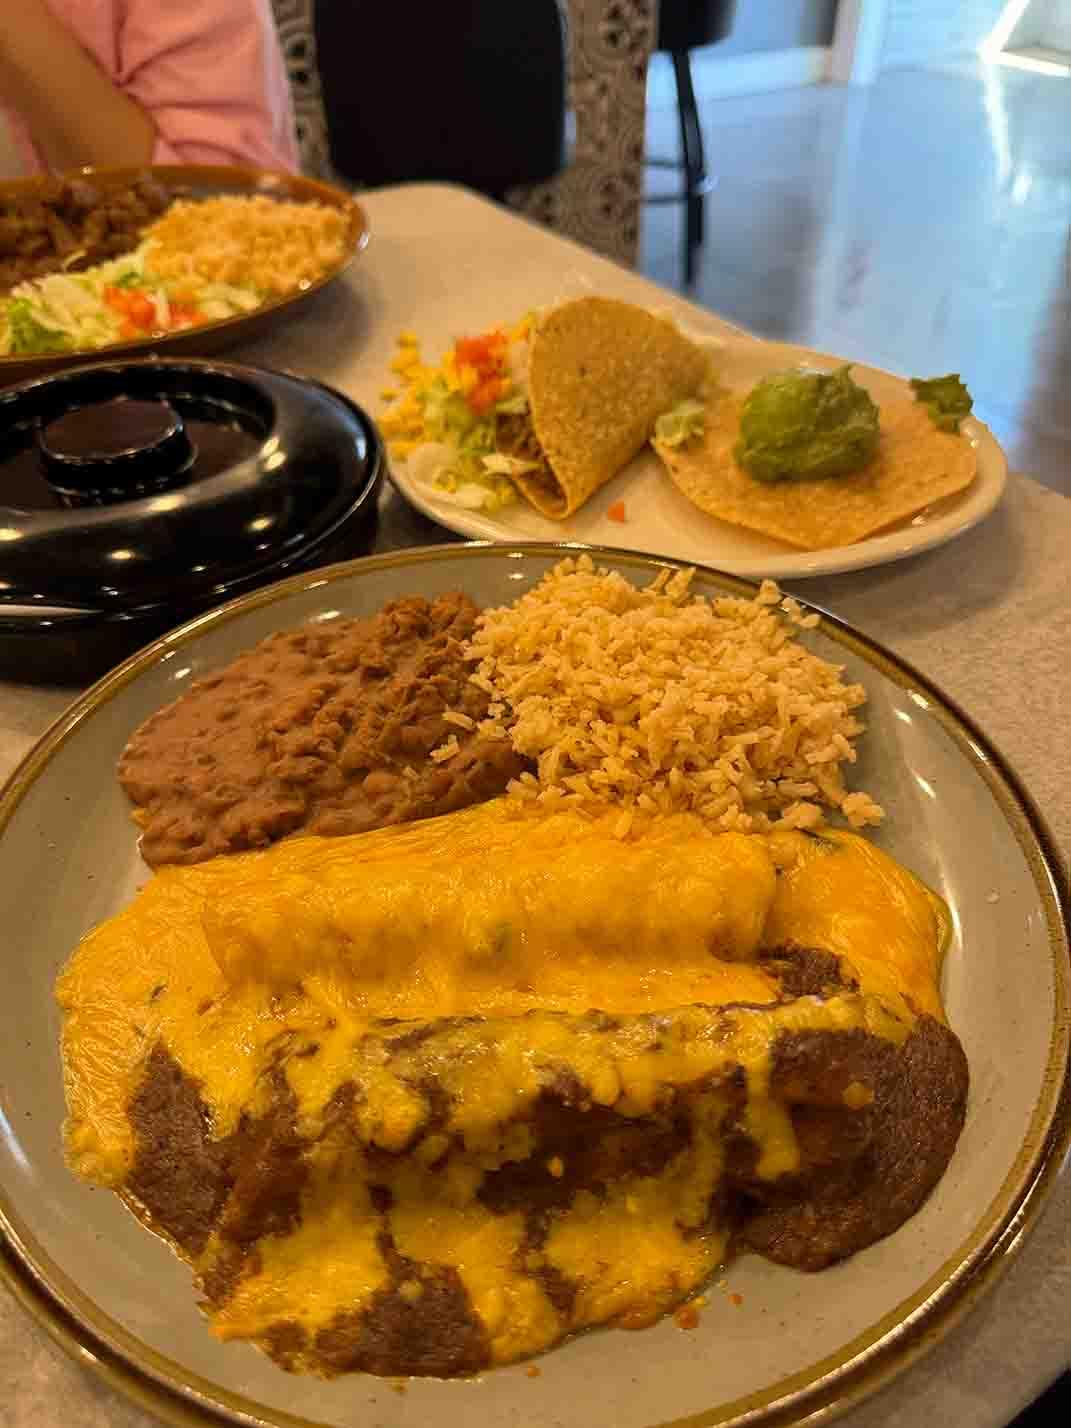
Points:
[(945, 398), (803, 426)]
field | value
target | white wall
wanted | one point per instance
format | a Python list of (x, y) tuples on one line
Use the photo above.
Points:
[(788, 24), (1046, 23), (919, 32)]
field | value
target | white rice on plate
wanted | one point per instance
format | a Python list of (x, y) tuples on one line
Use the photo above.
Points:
[(660, 701)]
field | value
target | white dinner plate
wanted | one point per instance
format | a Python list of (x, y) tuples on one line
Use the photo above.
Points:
[(661, 521), (773, 1345)]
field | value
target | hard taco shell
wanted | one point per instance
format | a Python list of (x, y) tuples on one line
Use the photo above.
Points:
[(600, 373)]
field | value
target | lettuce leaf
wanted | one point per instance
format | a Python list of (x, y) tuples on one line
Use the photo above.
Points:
[(945, 398), (683, 423), (30, 335)]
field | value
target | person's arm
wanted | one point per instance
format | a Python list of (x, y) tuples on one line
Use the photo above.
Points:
[(75, 113), (212, 76)]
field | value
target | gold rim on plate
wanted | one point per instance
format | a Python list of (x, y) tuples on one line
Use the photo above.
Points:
[(832, 1385)]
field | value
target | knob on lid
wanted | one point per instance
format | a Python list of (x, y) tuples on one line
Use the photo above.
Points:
[(114, 451)]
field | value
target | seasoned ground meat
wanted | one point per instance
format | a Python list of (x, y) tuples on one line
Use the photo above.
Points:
[(72, 224), (515, 436), (436, 1332), (863, 1171), (327, 729), (181, 1177)]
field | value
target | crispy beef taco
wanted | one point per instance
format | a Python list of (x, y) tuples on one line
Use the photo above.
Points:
[(600, 373), (553, 407)]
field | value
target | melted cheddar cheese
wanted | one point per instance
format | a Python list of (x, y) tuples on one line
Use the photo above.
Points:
[(528, 926)]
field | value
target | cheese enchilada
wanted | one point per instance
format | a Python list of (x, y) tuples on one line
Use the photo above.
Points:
[(430, 1099)]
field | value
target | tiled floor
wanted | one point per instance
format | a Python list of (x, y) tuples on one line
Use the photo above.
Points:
[(920, 224)]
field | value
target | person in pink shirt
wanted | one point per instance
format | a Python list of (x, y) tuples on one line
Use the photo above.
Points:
[(128, 82)]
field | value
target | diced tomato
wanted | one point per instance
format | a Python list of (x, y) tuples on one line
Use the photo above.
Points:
[(141, 310), (616, 512), (471, 352), (485, 357), (129, 330), (185, 314), (482, 398), (480, 352), (133, 307)]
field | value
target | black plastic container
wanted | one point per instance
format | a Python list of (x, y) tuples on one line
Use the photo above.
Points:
[(137, 494)]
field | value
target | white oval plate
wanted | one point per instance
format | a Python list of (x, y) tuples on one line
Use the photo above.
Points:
[(795, 1344), (659, 520)]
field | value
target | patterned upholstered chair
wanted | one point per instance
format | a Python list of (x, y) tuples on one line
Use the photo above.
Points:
[(596, 198), (294, 22)]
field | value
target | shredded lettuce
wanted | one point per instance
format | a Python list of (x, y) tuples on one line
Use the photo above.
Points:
[(475, 497), (58, 313), (469, 471), (225, 297), (448, 418), (683, 423), (25, 333), (447, 427), (67, 311), (460, 477), (503, 465), (484, 493), (513, 406)]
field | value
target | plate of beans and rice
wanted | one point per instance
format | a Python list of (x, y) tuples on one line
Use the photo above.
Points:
[(459, 949), (169, 258)]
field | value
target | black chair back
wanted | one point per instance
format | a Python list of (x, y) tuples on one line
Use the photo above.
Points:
[(471, 91)]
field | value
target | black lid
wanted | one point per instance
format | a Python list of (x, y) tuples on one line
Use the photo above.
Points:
[(146, 490)]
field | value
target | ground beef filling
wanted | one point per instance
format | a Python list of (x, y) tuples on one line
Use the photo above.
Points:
[(327, 729), (66, 225), (863, 1173), (876, 1125), (515, 436)]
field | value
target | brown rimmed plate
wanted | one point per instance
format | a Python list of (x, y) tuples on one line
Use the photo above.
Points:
[(200, 181), (785, 1346)]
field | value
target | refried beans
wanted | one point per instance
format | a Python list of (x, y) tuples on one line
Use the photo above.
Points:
[(326, 729)]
